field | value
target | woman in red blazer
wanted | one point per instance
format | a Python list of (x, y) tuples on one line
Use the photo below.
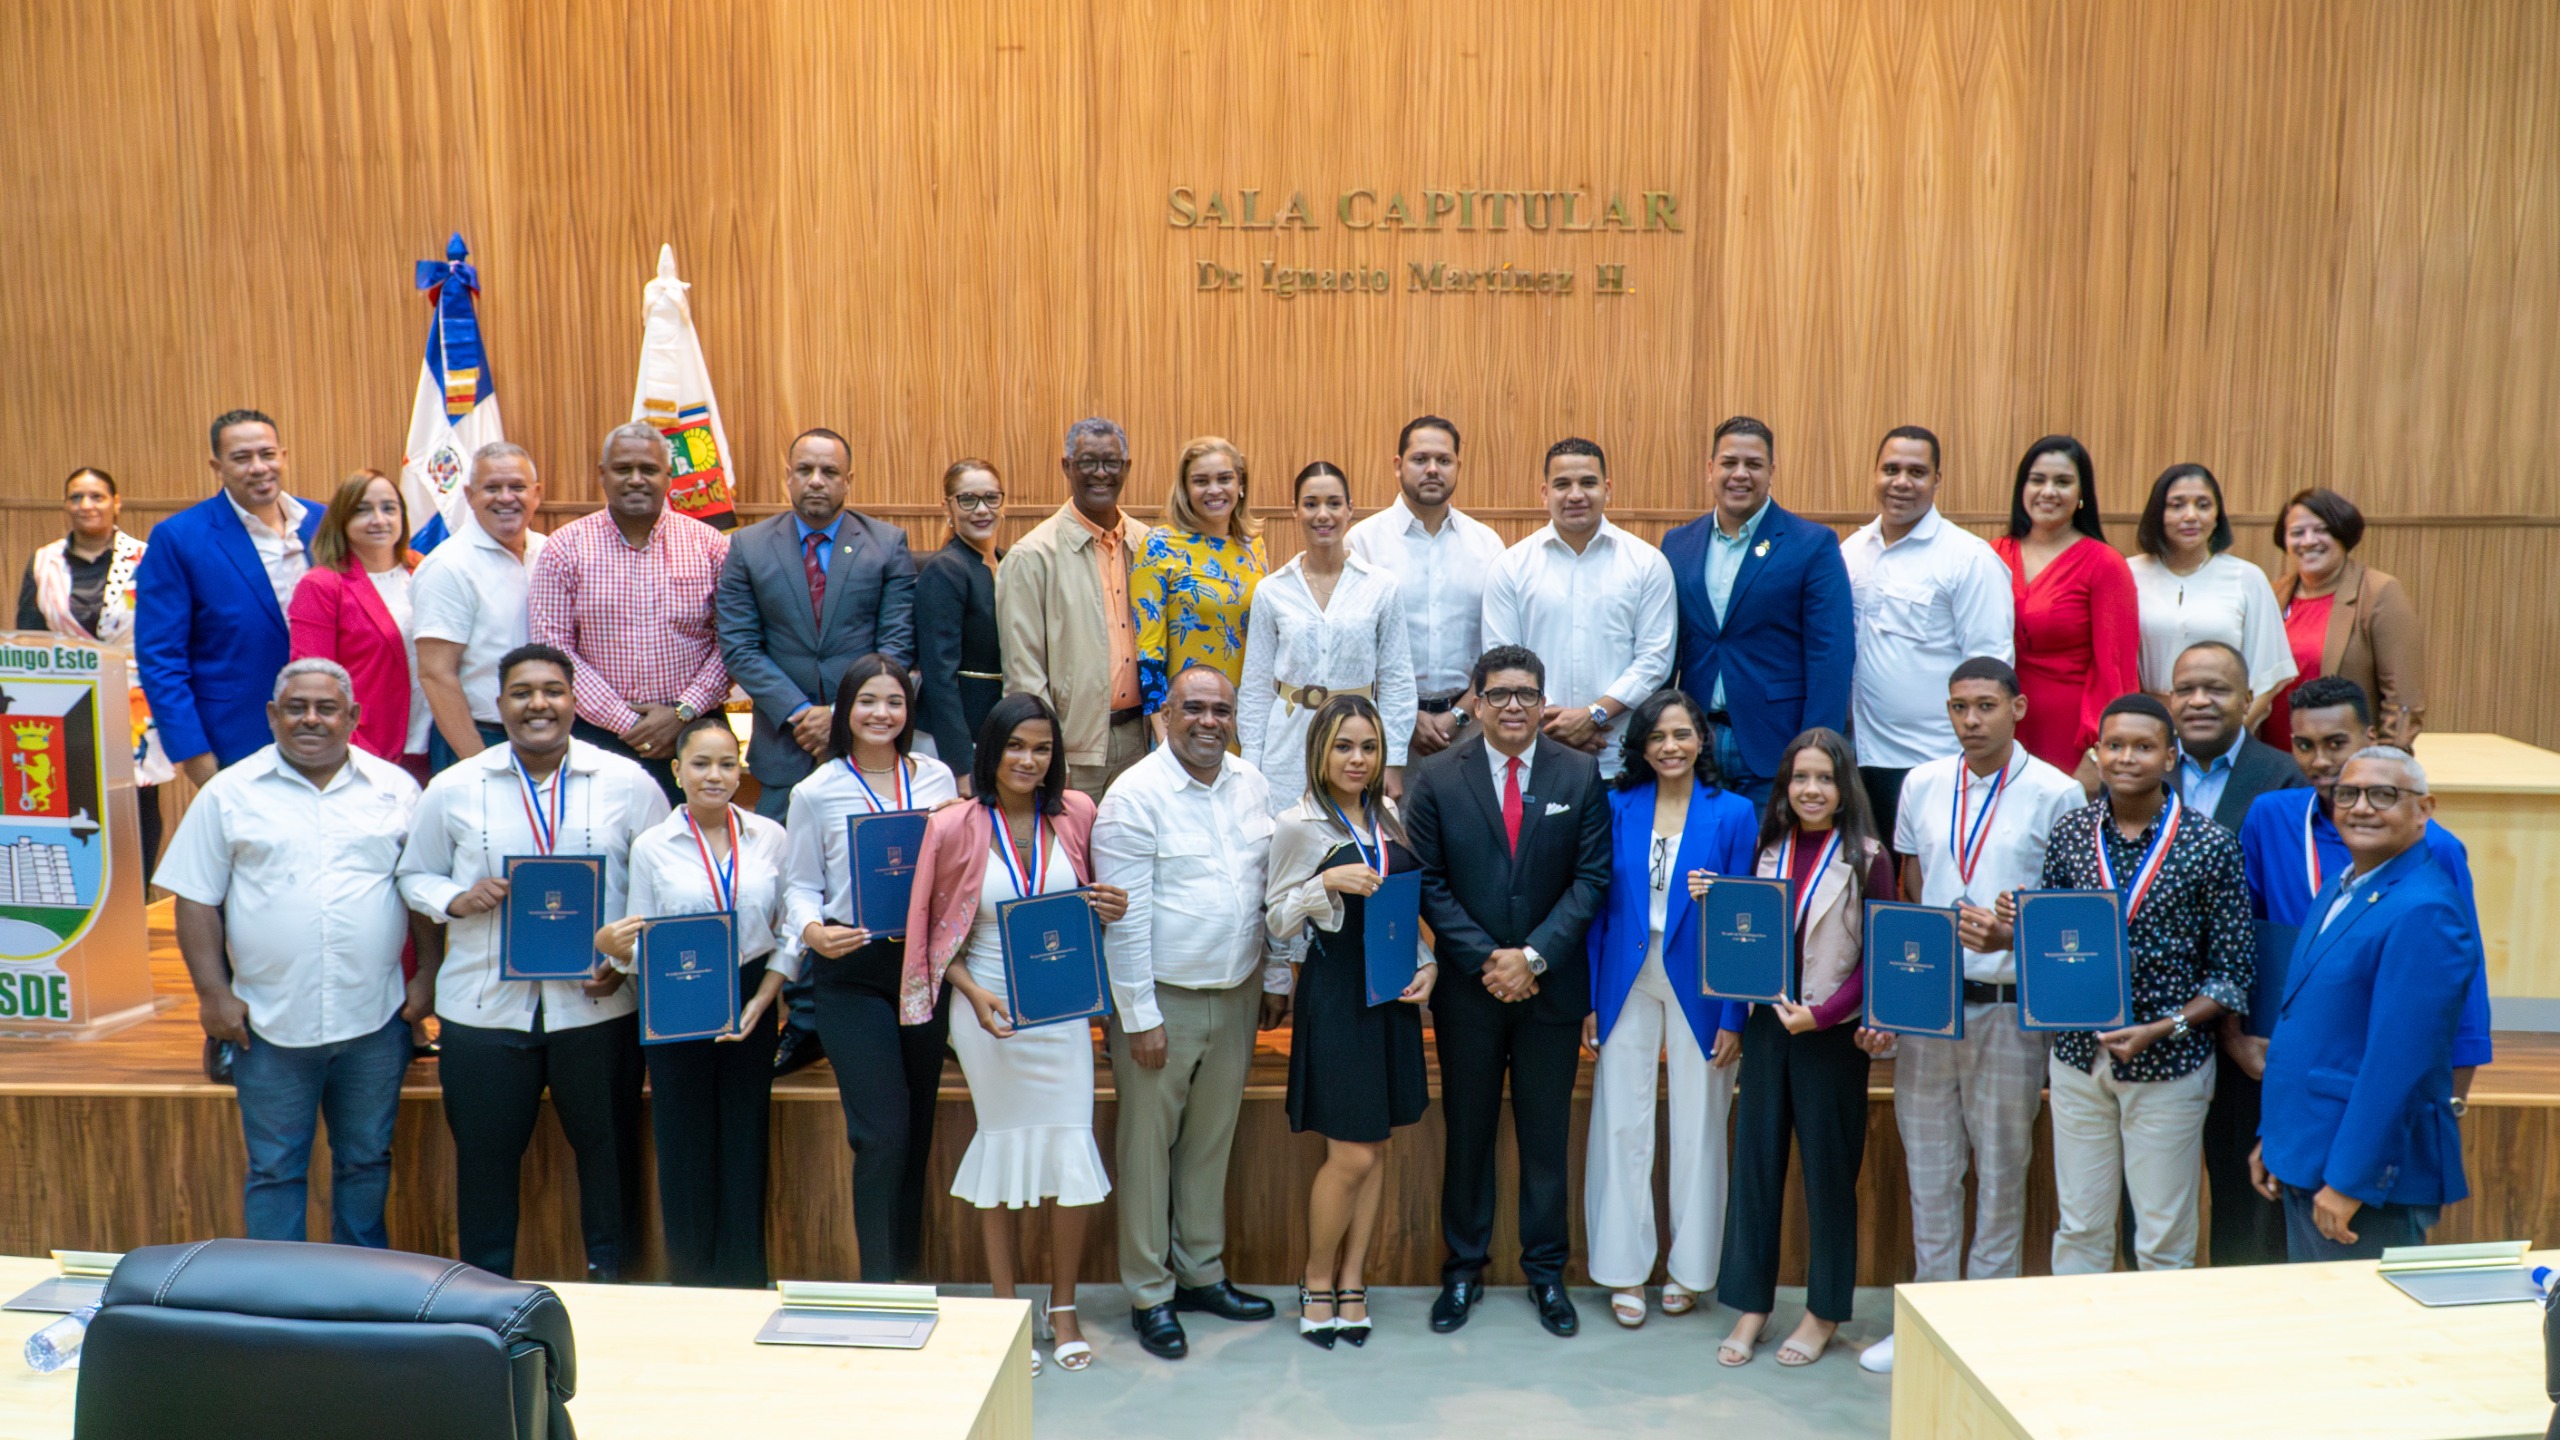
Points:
[(353, 607)]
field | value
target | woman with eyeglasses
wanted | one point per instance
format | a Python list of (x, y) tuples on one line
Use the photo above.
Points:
[(959, 661), (1193, 584)]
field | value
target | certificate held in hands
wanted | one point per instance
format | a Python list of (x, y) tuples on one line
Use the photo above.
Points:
[(1746, 947), (1053, 970), (2073, 970), (883, 850), (688, 972), (547, 930), (1915, 970), (1391, 935)]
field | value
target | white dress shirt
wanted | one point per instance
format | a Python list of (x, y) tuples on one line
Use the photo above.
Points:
[(2227, 599), (311, 913), (2031, 800), (821, 870), (1926, 603), (1443, 578), (471, 591), (1603, 621), (282, 556), (1196, 861), (1355, 639), (471, 819), (667, 878), (1497, 763)]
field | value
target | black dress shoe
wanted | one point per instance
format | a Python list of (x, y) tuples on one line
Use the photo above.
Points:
[(1223, 1300), (1555, 1309), (799, 1049), (1159, 1332), (1458, 1298)]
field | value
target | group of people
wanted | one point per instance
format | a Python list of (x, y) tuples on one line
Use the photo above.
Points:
[(1568, 739)]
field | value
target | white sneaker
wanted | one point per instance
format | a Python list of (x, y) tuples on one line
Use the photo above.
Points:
[(1877, 1359)]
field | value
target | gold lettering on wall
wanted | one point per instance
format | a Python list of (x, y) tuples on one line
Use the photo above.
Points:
[(1435, 209)]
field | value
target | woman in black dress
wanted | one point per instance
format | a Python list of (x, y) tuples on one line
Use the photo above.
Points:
[(1355, 1070), (959, 665)]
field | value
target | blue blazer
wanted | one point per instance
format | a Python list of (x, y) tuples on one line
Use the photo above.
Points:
[(2359, 1079), (208, 636), (1721, 834), (1789, 635)]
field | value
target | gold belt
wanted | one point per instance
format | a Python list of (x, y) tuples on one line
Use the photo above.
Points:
[(1308, 697)]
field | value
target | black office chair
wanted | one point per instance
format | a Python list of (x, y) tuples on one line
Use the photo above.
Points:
[(254, 1337)]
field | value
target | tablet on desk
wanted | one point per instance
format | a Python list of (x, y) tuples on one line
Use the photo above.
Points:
[(870, 1329)]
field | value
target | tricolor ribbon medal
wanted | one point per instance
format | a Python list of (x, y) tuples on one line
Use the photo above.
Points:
[(1373, 852), (723, 877), (903, 786), (1038, 881), (2152, 859), (1787, 870), (546, 828), (1968, 845)]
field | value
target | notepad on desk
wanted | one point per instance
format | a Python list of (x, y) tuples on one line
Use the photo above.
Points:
[(880, 1317), (82, 1281), (2490, 1272)]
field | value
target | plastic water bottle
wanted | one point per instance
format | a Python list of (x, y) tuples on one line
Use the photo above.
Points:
[(57, 1346)]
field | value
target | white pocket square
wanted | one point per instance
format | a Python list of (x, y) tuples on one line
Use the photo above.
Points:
[(1555, 809)]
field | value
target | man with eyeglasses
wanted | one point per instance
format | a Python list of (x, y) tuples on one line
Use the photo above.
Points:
[(1062, 601), (2360, 1140), (2290, 848)]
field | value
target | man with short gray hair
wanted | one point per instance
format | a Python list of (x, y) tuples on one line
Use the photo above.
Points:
[(628, 593), (291, 925), (1062, 606), (467, 601)]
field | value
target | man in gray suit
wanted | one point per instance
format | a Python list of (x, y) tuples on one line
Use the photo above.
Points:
[(801, 597)]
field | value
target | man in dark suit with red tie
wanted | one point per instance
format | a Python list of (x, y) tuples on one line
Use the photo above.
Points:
[(1512, 832)]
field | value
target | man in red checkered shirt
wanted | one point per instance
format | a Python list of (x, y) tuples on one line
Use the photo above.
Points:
[(627, 592)]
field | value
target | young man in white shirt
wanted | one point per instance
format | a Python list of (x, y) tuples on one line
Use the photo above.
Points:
[(1441, 558), (1590, 600), (1929, 594), (1972, 828), (504, 1042), (468, 603), (291, 926), (1187, 833)]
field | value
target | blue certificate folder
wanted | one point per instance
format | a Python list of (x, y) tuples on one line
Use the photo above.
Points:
[(2266, 994), (548, 929), (1391, 937), (1915, 970), (2073, 971), (688, 972), (1053, 969), (883, 850), (1746, 940)]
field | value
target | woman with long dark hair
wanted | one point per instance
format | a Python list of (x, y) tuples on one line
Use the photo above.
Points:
[(2194, 589), (2079, 625)]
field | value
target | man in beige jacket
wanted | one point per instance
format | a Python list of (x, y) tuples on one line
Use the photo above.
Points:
[(1062, 603)]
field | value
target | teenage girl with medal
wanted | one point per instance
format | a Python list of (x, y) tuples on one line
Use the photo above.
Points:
[(711, 1101), (887, 1074), (1803, 1076), (1355, 1070), (1026, 834)]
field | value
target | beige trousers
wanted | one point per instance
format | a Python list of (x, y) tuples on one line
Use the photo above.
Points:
[(2112, 1136), (1176, 1126)]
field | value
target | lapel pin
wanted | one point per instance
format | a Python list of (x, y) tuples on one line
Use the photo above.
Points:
[(1762, 549)]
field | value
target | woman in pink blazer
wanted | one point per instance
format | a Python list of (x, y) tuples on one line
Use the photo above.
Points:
[(353, 607), (1025, 834)]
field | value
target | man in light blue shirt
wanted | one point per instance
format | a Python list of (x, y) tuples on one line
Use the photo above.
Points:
[(1724, 566), (2222, 770)]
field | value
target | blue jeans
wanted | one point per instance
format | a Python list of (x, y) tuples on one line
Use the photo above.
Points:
[(2376, 1227), (283, 1088), (1737, 775)]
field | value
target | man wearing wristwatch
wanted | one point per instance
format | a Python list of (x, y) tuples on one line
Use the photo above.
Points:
[(1592, 601), (627, 593)]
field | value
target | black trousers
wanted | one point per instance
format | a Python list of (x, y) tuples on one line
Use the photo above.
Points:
[(711, 1108), (1480, 1040), (1812, 1088), (493, 1084), (1884, 800), (146, 802), (2248, 1228), (661, 768), (889, 1076)]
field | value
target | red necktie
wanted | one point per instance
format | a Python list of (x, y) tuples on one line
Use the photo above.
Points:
[(809, 559), (1511, 803)]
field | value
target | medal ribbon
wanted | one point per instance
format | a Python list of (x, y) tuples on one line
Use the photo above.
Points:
[(1377, 841), (1969, 845), (724, 878), (1787, 870), (546, 828), (2152, 859), (903, 787), (1039, 879)]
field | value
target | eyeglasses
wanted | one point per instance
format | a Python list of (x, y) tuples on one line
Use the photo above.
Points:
[(979, 502), (2381, 797), (1102, 467), (1524, 698)]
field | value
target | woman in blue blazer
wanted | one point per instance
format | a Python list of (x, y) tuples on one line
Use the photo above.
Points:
[(1669, 819)]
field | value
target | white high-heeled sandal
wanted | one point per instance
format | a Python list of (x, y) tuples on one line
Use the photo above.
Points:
[(1071, 1354), (1678, 1299)]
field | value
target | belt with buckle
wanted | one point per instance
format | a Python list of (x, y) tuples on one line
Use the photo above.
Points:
[(1439, 704), (1130, 716), (1977, 992), (1308, 697)]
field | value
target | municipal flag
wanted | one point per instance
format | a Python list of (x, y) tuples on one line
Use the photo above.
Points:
[(456, 410)]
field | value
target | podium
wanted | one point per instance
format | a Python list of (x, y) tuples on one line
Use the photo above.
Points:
[(74, 958)]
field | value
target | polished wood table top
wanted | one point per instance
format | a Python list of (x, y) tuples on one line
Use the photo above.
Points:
[(2465, 763)]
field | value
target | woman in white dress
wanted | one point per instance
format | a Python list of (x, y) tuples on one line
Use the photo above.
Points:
[(1027, 834), (1327, 623), (2192, 589)]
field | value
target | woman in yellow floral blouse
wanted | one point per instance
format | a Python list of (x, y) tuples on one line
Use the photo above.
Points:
[(1194, 579)]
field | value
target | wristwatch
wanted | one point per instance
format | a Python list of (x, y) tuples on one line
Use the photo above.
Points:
[(1537, 962), (2179, 1029), (2459, 1106), (1600, 715), (685, 712)]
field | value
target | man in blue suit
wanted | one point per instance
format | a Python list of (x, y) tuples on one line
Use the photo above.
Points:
[(2358, 1136), (209, 631), (1767, 634)]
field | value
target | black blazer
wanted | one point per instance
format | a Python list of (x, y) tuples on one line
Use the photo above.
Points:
[(956, 631), (2256, 770), (1479, 898)]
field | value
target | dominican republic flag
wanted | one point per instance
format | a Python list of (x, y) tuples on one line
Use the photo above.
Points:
[(674, 395), (456, 411)]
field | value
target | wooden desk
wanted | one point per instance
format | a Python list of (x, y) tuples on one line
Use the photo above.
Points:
[(2502, 797), (656, 1361), (2248, 1353)]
